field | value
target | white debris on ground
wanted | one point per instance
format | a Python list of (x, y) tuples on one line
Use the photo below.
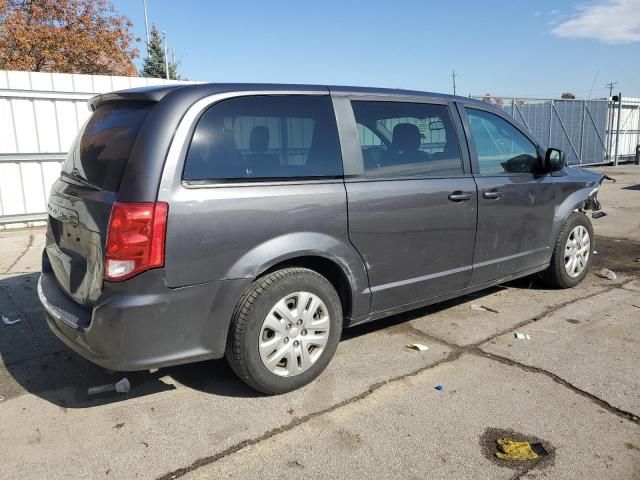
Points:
[(606, 273), (8, 321), (522, 336), (482, 308)]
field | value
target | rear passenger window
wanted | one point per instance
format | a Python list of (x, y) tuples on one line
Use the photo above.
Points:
[(407, 139), (265, 137)]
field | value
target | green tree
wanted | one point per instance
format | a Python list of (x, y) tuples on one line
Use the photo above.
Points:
[(154, 65), (568, 96)]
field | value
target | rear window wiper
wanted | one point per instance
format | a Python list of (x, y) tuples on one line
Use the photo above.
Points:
[(75, 177)]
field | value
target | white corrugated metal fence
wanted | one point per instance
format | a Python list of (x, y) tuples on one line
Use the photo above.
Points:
[(40, 114)]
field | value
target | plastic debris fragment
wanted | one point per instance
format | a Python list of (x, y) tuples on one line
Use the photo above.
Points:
[(512, 450), (522, 336), (8, 321), (439, 387), (482, 308), (123, 386), (418, 346), (606, 273)]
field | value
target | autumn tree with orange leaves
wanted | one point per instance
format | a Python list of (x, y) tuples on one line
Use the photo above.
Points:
[(68, 36)]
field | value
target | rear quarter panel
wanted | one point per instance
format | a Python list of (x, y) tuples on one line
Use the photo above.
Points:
[(238, 232)]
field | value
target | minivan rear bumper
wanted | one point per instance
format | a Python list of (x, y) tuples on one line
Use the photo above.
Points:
[(141, 324)]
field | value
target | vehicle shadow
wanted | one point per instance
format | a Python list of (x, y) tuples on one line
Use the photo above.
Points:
[(33, 360), (526, 283)]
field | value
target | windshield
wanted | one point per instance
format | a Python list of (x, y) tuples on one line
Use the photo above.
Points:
[(101, 150)]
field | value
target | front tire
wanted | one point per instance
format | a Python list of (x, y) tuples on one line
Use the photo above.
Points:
[(572, 254), (285, 330)]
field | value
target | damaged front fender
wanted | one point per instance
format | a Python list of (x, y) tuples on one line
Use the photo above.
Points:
[(592, 202), (585, 187)]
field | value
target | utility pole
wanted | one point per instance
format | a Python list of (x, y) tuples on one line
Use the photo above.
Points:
[(146, 24), (453, 78), (610, 114), (166, 60)]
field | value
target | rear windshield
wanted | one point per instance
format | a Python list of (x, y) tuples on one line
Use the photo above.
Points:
[(101, 151)]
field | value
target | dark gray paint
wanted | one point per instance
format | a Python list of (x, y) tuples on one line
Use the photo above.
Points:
[(75, 238), (241, 231), (400, 244), (416, 243), (513, 228), (517, 212)]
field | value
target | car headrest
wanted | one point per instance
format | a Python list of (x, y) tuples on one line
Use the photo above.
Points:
[(406, 137), (259, 140)]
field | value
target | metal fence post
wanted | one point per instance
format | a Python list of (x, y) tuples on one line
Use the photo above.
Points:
[(550, 122), (638, 138), (584, 107), (615, 159), (608, 133)]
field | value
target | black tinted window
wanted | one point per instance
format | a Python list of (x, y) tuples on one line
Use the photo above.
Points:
[(501, 148), (407, 139), (102, 148), (258, 137)]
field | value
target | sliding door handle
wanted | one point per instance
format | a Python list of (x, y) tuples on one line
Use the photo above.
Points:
[(493, 194), (459, 196)]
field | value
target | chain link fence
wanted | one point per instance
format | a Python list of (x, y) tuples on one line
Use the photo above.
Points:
[(590, 132)]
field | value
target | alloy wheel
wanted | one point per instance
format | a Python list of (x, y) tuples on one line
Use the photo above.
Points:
[(577, 251)]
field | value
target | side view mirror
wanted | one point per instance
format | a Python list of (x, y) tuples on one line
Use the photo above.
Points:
[(554, 160)]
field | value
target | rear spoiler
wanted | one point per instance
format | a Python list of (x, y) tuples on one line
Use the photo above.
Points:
[(142, 94)]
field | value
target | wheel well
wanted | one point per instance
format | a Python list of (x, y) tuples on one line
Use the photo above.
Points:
[(325, 267)]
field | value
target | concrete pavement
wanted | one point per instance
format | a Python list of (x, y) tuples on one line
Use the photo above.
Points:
[(375, 412)]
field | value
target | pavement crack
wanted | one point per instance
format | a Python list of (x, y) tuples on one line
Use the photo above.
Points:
[(204, 461), (543, 315), (531, 369), (19, 257), (456, 352), (518, 475), (416, 332)]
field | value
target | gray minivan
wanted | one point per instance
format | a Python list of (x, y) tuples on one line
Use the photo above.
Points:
[(255, 222)]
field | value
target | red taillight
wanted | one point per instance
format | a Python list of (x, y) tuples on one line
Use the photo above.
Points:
[(135, 240)]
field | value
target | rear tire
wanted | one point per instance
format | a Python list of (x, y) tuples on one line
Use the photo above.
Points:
[(285, 330), (572, 254)]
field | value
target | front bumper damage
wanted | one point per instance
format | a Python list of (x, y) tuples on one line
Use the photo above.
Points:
[(593, 203)]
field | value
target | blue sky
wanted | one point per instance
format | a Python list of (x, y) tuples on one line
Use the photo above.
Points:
[(522, 48)]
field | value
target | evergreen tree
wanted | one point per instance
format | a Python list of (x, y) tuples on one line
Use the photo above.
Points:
[(153, 65)]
